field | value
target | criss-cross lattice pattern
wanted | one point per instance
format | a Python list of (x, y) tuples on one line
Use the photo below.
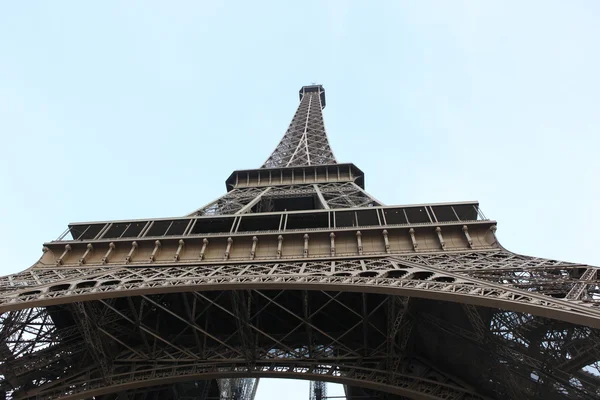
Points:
[(349, 337), (334, 195), (305, 142), (532, 356)]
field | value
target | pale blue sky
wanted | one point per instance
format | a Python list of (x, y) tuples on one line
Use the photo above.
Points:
[(135, 109)]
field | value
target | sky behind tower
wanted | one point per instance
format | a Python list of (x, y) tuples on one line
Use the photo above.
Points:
[(120, 110)]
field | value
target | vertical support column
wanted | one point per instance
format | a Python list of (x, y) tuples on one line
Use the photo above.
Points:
[(305, 252), (203, 250), (59, 261), (253, 251), (279, 245), (438, 230), (411, 231), (465, 229), (157, 245), (228, 248), (359, 242), (179, 249), (134, 247), (386, 240), (493, 229), (111, 248), (332, 244), (88, 251)]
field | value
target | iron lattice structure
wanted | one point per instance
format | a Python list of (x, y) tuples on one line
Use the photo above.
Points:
[(297, 272)]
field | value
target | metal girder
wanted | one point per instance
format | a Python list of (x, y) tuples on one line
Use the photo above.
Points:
[(403, 384), (399, 275), (332, 195), (430, 306), (231, 203)]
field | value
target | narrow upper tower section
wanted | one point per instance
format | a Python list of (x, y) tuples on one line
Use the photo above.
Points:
[(305, 141)]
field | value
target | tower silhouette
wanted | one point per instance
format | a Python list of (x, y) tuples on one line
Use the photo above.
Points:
[(298, 272)]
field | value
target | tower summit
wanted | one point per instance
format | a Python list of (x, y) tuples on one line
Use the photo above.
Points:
[(298, 272), (305, 142), (313, 89)]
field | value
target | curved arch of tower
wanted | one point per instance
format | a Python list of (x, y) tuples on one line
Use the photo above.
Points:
[(298, 272)]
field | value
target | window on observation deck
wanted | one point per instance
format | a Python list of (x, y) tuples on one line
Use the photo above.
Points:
[(252, 222), (417, 215), (307, 221), (85, 232), (295, 204), (300, 203), (213, 225)]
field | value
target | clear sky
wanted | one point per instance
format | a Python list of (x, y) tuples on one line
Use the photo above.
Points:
[(117, 110)]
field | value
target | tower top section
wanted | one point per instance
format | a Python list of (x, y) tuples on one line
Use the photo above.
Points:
[(314, 89), (305, 141)]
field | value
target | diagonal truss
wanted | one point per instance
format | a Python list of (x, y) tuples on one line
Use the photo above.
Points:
[(327, 196)]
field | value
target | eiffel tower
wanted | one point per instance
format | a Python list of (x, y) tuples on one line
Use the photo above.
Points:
[(297, 272)]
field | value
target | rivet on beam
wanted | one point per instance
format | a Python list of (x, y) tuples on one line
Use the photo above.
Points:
[(228, 248), (279, 245), (412, 237), (203, 250), (465, 229), (155, 251), (134, 246), (332, 245), (88, 250), (305, 245), (386, 240), (111, 248), (60, 259), (359, 242), (438, 230), (253, 251), (178, 252)]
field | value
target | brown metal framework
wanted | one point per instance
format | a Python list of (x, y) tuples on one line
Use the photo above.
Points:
[(297, 272)]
